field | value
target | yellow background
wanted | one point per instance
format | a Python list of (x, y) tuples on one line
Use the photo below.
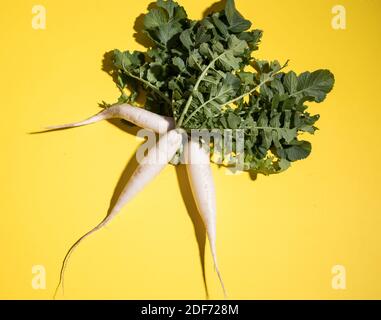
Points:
[(278, 236)]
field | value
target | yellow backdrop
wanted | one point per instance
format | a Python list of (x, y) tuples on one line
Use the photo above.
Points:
[(279, 237)]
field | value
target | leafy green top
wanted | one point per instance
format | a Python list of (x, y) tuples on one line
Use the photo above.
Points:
[(199, 73)]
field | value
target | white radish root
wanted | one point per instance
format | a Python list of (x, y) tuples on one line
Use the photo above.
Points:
[(147, 170), (202, 185), (138, 116)]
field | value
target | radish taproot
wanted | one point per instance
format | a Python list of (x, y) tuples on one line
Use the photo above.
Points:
[(202, 185), (146, 171), (138, 116)]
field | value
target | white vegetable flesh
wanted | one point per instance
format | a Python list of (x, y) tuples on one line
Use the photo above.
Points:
[(202, 185), (138, 116)]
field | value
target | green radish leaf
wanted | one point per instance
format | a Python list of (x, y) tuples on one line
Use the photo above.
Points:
[(298, 150), (186, 39), (288, 134), (179, 63), (156, 18), (233, 121), (291, 82), (315, 85), (204, 74), (237, 23)]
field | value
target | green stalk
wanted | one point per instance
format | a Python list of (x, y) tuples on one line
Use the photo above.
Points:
[(200, 107), (212, 99), (157, 90), (200, 78), (246, 93)]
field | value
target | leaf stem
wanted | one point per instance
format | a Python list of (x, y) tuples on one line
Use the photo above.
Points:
[(270, 78), (227, 103), (195, 88), (203, 105), (246, 93), (157, 90), (181, 121)]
